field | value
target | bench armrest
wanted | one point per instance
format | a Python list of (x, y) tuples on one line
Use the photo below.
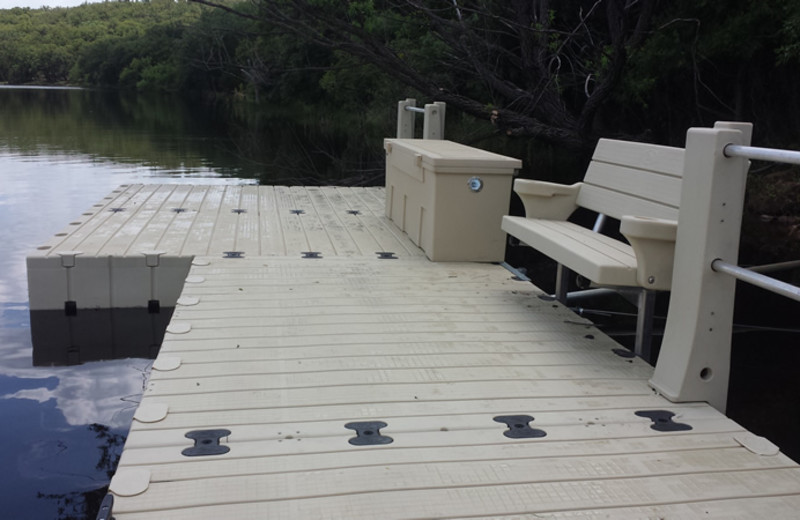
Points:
[(547, 200), (653, 243)]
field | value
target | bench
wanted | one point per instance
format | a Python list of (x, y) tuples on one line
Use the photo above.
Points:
[(638, 184)]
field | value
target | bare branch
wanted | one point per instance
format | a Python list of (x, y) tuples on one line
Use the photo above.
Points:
[(545, 71), (225, 8)]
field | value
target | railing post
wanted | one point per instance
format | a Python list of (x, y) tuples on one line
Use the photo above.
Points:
[(433, 125), (694, 362), (405, 119)]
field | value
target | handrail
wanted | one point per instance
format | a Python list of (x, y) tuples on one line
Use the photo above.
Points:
[(751, 276), (780, 266), (762, 154), (694, 362), (757, 279), (433, 122)]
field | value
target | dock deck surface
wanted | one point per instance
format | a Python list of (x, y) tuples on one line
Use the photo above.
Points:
[(283, 352), (197, 220)]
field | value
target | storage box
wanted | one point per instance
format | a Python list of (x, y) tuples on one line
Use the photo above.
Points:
[(449, 198)]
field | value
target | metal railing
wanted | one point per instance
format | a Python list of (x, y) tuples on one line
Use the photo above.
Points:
[(762, 154), (694, 362), (780, 266), (757, 279), (752, 275)]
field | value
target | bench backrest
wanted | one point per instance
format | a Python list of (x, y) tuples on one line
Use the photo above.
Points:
[(627, 178)]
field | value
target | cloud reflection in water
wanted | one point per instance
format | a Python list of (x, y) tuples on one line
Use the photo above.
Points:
[(63, 427)]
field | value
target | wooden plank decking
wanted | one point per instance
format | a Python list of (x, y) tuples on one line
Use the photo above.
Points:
[(284, 351)]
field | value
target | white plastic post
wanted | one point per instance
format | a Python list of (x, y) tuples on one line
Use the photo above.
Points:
[(433, 125), (405, 119), (694, 363)]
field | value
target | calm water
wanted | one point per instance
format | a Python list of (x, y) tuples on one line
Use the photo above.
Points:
[(60, 152)]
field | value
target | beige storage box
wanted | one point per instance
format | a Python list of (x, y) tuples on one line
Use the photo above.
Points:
[(449, 198)]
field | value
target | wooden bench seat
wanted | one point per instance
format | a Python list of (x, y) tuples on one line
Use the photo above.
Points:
[(636, 183)]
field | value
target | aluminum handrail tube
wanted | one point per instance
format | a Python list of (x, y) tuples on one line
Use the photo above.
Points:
[(780, 266), (516, 272), (763, 154), (599, 223), (759, 280), (415, 109)]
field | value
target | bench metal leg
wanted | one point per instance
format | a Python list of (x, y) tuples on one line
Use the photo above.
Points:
[(562, 283), (644, 324)]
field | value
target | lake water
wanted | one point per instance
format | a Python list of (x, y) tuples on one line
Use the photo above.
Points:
[(62, 150)]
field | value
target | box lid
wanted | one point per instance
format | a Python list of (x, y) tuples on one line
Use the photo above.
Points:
[(446, 156)]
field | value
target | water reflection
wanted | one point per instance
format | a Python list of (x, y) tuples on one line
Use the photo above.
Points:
[(63, 427), (60, 152), (88, 126), (184, 137)]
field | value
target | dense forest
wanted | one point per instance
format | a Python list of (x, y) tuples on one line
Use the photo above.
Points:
[(538, 79), (561, 72), (135, 45)]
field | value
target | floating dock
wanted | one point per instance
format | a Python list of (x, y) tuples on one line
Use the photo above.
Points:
[(484, 400), (318, 365), (123, 262)]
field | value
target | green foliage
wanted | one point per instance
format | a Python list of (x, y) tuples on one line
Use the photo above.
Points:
[(700, 60), (789, 50), (708, 60), (97, 44)]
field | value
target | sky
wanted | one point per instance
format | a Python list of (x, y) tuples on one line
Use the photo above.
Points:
[(36, 4)]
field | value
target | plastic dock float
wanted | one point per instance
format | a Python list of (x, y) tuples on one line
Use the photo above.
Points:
[(366, 388), (105, 286), (318, 365)]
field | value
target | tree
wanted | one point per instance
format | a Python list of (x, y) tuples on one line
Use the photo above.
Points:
[(707, 61), (534, 68)]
